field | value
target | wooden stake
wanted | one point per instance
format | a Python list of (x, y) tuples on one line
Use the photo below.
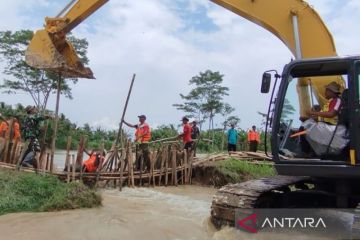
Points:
[(68, 146), (56, 120), (67, 165), (73, 163), (167, 165), (119, 135), (130, 165), (163, 159), (173, 161)]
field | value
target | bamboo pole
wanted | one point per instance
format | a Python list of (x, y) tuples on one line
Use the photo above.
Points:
[(191, 158), (163, 158), (99, 168), (130, 166), (13, 152), (141, 159), (68, 146), (173, 163), (119, 135), (43, 145), (56, 120), (73, 163), (167, 165), (183, 171), (67, 164)]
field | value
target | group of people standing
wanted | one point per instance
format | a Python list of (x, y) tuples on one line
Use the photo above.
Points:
[(189, 136), (253, 138), (29, 129)]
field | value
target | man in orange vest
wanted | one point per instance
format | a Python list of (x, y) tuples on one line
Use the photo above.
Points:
[(142, 138), (4, 129), (93, 162), (253, 139)]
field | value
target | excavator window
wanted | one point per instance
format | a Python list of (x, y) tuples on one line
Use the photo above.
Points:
[(306, 92)]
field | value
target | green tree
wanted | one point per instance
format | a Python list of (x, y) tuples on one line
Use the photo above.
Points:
[(205, 100), (39, 84), (287, 111)]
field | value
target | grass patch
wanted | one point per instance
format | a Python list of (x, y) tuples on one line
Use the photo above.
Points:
[(239, 170), (25, 192)]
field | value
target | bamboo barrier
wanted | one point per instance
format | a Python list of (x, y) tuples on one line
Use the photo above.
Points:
[(169, 163)]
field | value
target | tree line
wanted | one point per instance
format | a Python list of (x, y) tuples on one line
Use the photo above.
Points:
[(204, 102)]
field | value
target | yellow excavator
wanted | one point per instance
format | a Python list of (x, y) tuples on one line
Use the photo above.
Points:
[(330, 181), (294, 22)]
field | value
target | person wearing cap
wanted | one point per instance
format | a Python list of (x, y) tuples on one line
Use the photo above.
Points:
[(330, 110), (186, 134), (142, 138), (31, 130), (195, 134), (321, 127)]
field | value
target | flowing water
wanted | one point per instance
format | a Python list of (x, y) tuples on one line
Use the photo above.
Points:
[(141, 213)]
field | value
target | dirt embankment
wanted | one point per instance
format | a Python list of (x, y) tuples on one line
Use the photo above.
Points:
[(210, 175), (227, 171)]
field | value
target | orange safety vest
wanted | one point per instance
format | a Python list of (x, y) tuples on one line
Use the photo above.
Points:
[(90, 164), (4, 128), (143, 133), (253, 136)]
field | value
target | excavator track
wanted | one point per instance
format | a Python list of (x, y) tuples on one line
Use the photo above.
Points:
[(246, 195)]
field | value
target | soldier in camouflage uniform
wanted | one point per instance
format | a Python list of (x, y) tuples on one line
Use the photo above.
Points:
[(31, 131)]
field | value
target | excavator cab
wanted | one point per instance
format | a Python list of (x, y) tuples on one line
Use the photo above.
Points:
[(302, 88)]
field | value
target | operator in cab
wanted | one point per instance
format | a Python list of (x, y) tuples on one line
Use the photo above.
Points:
[(329, 112), (323, 133)]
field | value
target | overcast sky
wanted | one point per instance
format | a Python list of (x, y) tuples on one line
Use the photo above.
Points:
[(166, 42)]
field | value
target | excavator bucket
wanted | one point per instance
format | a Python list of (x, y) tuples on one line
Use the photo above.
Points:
[(43, 53)]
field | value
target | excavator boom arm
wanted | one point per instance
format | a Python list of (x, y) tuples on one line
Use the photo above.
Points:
[(75, 13), (300, 28), (277, 16)]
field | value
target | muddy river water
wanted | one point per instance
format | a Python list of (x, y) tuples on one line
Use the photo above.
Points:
[(141, 213)]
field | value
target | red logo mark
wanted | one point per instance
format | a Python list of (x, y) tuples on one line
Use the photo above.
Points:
[(250, 228)]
